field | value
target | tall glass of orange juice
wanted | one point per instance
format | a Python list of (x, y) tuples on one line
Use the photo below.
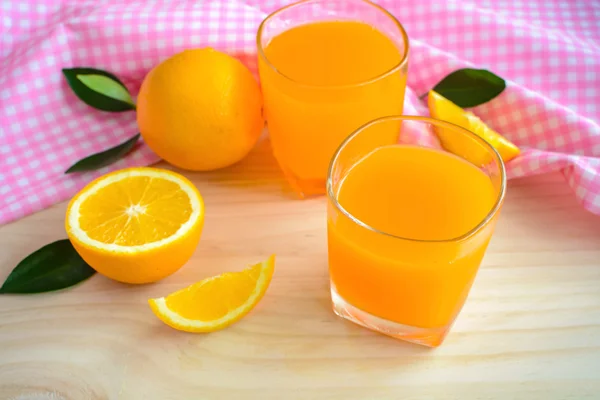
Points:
[(408, 225), (327, 67)]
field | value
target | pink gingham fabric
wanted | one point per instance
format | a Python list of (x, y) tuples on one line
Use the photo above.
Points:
[(547, 50)]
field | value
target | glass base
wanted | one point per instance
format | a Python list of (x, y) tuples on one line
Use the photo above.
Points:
[(431, 337), (304, 188)]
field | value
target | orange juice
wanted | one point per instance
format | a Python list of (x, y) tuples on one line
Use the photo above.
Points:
[(320, 81), (415, 266)]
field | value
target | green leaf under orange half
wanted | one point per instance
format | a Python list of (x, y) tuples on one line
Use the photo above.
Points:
[(52, 267), (99, 89)]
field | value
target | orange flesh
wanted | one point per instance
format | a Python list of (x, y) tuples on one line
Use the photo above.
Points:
[(135, 211), (204, 300)]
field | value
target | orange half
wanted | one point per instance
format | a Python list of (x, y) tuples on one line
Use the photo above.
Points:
[(136, 225)]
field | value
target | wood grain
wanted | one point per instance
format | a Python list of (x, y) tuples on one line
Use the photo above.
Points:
[(530, 329)]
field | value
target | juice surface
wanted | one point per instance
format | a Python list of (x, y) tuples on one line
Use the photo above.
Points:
[(414, 193), (323, 90), (332, 53)]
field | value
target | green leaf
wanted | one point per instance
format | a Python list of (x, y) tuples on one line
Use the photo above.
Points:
[(469, 87), (99, 89), (54, 266), (104, 158), (106, 86)]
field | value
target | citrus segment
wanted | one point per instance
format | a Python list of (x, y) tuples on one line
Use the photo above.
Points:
[(216, 302), (461, 145), (136, 225)]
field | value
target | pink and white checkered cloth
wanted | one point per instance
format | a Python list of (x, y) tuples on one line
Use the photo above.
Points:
[(547, 50)]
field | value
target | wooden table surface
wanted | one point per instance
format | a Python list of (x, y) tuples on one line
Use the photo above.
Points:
[(530, 328)]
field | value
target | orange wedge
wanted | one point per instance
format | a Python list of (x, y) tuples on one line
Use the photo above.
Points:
[(445, 110), (216, 302)]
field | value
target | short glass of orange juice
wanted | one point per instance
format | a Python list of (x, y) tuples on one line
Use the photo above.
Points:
[(327, 67), (408, 224)]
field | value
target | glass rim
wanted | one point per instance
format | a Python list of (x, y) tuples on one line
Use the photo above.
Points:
[(403, 61), (436, 122)]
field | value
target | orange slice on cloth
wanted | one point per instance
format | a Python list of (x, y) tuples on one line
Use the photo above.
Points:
[(445, 110), (136, 225), (216, 302)]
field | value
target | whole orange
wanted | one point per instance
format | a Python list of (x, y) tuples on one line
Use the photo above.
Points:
[(200, 110)]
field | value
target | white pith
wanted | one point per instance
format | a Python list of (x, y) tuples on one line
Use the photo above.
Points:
[(134, 210), (178, 320)]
